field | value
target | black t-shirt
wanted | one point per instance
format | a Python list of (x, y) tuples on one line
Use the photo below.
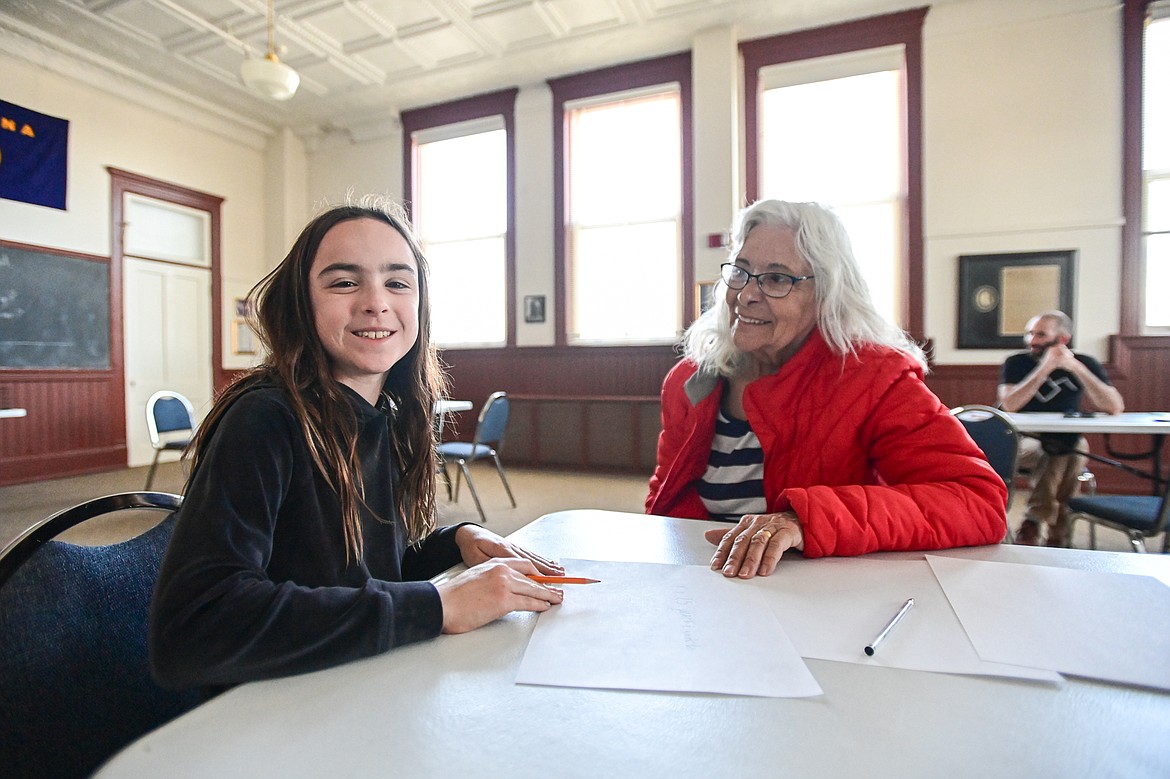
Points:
[(1060, 393)]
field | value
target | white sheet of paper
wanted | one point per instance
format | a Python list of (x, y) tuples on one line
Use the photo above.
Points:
[(833, 607), (1110, 626), (677, 628)]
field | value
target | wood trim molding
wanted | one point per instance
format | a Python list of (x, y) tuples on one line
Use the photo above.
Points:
[(1132, 47)]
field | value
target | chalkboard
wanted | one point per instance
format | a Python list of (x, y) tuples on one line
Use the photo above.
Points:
[(54, 310)]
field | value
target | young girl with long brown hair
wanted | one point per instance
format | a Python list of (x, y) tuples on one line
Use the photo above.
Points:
[(307, 533)]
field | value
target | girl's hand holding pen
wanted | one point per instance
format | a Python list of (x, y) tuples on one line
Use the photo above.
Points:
[(490, 590)]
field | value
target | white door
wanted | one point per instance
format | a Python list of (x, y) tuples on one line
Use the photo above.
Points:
[(167, 315)]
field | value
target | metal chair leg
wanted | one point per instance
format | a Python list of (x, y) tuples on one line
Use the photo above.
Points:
[(153, 468), (504, 479), (458, 477), (446, 478), (474, 494)]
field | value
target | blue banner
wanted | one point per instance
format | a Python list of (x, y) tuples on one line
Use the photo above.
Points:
[(34, 156)]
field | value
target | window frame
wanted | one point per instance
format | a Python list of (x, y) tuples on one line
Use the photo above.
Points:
[(492, 104), (903, 28), (1133, 192), (675, 68)]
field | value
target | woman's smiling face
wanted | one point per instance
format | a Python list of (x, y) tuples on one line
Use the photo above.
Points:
[(770, 329), (364, 290)]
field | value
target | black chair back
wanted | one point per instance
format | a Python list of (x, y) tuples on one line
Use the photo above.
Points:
[(996, 435), (75, 683)]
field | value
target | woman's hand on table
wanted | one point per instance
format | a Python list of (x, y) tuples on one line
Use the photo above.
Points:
[(478, 545), (488, 591), (754, 546)]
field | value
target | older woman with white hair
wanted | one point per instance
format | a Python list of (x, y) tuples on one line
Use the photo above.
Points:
[(801, 415)]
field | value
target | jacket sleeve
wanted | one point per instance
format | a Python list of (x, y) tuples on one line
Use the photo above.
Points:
[(672, 492), (935, 491), (218, 618)]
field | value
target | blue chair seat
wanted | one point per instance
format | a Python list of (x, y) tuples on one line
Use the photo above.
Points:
[(1139, 512), (1138, 516), (458, 450)]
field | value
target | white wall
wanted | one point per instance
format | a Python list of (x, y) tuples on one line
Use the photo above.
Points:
[(107, 130), (535, 213), (718, 189), (1022, 152)]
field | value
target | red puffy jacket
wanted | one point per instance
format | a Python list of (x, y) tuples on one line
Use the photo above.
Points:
[(858, 447)]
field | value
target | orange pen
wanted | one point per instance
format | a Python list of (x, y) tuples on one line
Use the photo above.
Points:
[(561, 579)]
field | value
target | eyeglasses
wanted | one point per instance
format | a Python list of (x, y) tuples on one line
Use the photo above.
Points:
[(774, 285)]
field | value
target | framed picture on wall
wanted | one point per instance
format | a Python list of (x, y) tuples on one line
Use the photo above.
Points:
[(703, 297), (999, 293), (243, 337), (533, 309)]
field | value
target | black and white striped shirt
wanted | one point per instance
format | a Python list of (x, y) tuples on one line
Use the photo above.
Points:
[(734, 482)]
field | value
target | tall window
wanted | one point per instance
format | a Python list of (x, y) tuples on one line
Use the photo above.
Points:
[(625, 213), (831, 131), (458, 188), (625, 246), (1156, 167), (462, 218), (834, 114)]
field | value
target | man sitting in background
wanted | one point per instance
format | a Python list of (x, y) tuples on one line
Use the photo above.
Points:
[(1052, 377)]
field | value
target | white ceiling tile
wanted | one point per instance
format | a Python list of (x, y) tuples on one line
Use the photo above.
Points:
[(586, 15), (442, 45), (339, 23), (404, 15), (325, 74), (217, 10), (517, 27), (663, 7), (391, 57), (147, 20), (221, 58)]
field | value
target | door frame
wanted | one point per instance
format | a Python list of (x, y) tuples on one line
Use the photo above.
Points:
[(123, 182)]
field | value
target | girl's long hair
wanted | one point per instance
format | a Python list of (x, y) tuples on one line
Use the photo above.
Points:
[(298, 363)]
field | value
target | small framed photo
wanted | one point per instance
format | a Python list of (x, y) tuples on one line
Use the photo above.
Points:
[(243, 337), (704, 291), (534, 308)]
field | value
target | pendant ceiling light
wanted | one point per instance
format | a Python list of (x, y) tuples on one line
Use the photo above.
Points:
[(270, 76)]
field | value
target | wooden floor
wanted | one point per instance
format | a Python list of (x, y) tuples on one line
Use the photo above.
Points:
[(537, 492)]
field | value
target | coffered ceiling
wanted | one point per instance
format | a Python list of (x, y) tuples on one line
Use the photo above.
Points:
[(363, 61)]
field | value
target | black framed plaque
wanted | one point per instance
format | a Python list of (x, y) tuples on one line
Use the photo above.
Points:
[(999, 293)]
